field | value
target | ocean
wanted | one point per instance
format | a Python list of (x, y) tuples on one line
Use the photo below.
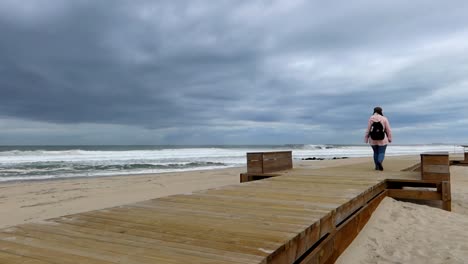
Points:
[(21, 163)]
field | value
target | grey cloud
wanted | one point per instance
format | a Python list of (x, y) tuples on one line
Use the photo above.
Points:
[(196, 66)]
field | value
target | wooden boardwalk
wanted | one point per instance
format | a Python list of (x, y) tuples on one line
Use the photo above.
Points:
[(276, 220)]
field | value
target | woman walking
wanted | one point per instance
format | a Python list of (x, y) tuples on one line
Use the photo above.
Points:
[(378, 135)]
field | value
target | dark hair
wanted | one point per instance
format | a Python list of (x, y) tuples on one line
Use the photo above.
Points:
[(378, 110)]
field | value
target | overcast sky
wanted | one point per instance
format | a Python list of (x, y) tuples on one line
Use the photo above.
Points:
[(231, 72)]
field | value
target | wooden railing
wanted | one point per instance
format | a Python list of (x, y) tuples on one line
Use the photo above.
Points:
[(433, 186)]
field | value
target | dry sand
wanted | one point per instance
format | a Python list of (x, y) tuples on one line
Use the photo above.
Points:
[(397, 232), (31, 201), (400, 232)]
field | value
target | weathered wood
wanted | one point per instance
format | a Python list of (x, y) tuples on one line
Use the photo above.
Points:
[(398, 184), (244, 177), (9, 258), (465, 156), (437, 177), (248, 177), (49, 254), (327, 224), (435, 166), (336, 242), (414, 194), (345, 210), (254, 162), (439, 169), (435, 159), (266, 162), (446, 196), (421, 190), (82, 234)]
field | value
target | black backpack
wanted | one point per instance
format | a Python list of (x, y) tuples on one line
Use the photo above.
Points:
[(376, 131)]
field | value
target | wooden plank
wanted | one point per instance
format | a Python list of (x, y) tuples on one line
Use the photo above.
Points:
[(264, 225), (443, 169), (112, 251), (295, 215), (348, 208), (316, 181), (279, 250), (275, 193), (447, 205), (446, 196), (436, 177), (435, 167), (218, 231), (244, 177), (261, 177), (276, 163), (237, 212), (327, 224), (80, 233), (254, 163), (232, 241), (295, 247), (330, 249), (327, 180), (321, 253), (294, 205), (435, 159), (446, 193), (300, 242), (83, 248), (414, 194), (266, 162), (398, 184), (292, 208), (9, 258), (344, 191), (374, 191), (46, 255), (346, 233), (133, 232), (218, 211)]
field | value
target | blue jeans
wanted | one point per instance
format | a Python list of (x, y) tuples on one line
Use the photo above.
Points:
[(379, 154)]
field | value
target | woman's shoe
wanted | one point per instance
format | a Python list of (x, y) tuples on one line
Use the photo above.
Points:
[(380, 167)]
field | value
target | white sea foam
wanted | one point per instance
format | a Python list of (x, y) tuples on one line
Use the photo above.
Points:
[(54, 162)]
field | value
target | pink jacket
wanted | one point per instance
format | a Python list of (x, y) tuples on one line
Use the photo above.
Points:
[(388, 131)]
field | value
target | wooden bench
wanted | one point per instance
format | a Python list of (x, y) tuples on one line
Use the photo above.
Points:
[(433, 186), (261, 165)]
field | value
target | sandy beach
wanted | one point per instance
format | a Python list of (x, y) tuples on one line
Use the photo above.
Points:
[(397, 232), (31, 201)]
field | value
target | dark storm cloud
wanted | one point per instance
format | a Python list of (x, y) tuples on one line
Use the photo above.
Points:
[(233, 69)]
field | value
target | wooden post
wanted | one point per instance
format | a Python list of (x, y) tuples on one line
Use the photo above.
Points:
[(446, 196), (435, 166), (244, 177)]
